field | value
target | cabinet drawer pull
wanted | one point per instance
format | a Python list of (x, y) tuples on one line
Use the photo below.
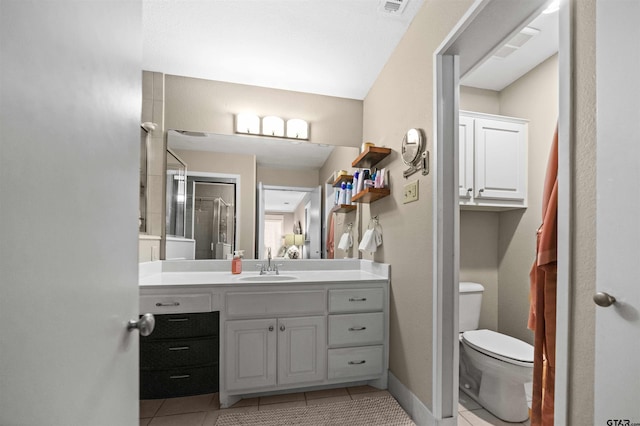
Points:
[(168, 304), (362, 361), (361, 299), (178, 319), (180, 348), (181, 376), (357, 328)]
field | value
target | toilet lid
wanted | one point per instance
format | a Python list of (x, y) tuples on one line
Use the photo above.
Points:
[(499, 346)]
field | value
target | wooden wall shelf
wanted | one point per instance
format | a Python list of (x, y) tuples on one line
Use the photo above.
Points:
[(344, 208), (370, 195), (370, 157), (343, 178)]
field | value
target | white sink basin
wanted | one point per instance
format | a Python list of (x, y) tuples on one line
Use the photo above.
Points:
[(259, 278)]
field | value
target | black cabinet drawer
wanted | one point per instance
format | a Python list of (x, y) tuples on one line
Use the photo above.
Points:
[(178, 382), (161, 354), (178, 326)]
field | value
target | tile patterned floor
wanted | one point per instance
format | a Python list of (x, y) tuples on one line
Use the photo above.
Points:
[(203, 410)]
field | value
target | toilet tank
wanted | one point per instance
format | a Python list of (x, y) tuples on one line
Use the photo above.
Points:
[(470, 302)]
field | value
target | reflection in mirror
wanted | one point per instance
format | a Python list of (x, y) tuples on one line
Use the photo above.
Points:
[(290, 226), (211, 213), (176, 195), (281, 164)]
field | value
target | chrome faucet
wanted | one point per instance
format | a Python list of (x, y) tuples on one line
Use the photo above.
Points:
[(269, 268)]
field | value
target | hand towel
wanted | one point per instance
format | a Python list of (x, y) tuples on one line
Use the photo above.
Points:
[(370, 241), (345, 242)]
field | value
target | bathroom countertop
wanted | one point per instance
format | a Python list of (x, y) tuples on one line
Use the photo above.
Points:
[(189, 273)]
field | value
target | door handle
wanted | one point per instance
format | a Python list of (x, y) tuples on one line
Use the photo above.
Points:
[(145, 324), (604, 299)]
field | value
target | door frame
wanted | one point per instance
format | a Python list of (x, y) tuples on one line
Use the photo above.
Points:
[(478, 34)]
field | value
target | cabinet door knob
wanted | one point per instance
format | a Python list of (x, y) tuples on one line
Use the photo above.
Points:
[(604, 299), (469, 189), (282, 327), (270, 328), (145, 324), (480, 191)]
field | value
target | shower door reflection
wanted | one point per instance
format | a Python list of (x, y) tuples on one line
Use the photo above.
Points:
[(213, 220)]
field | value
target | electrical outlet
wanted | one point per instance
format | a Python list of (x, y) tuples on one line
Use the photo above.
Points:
[(410, 192)]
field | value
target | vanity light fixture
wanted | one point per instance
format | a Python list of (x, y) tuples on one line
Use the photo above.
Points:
[(297, 129), (248, 123), (272, 126)]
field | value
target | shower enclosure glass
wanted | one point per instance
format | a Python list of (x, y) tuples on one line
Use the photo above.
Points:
[(176, 195), (213, 219)]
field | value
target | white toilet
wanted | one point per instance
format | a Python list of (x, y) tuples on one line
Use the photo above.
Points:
[(493, 367)]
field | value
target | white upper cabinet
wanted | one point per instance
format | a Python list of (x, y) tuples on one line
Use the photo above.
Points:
[(493, 162)]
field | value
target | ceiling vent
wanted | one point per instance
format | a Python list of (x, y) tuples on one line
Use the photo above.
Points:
[(392, 7), (516, 42)]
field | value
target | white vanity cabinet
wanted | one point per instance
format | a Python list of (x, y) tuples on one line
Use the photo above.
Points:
[(324, 325), (269, 352), (279, 350), (493, 161), (303, 336)]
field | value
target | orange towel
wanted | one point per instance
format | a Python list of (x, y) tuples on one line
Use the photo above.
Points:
[(330, 237), (542, 312)]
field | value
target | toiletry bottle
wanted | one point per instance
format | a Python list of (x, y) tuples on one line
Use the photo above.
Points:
[(343, 193), (348, 195), (354, 186), (236, 263)]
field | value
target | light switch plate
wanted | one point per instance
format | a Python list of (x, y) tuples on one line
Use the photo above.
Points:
[(410, 192)]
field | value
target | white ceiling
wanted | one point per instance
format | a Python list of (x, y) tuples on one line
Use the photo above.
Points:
[(330, 47), (279, 201), (497, 73)]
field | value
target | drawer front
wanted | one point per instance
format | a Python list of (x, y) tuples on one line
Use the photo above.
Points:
[(356, 300), (185, 325), (178, 382), (356, 329), (164, 354), (355, 362), (273, 303), (172, 304)]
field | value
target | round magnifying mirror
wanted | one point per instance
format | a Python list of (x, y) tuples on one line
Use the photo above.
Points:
[(412, 145)]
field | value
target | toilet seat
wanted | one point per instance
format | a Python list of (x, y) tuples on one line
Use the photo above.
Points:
[(500, 346)]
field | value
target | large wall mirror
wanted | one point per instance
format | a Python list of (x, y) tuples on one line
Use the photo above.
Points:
[(273, 199)]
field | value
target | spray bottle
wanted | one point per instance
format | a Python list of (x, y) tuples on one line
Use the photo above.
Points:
[(236, 263)]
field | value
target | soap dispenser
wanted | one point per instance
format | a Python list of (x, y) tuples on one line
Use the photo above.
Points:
[(236, 263)]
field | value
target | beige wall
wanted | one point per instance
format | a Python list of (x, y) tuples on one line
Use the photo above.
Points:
[(534, 97), (210, 106), (243, 165), (479, 100), (402, 98), (288, 177)]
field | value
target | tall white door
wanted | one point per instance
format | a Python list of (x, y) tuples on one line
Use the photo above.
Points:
[(70, 99), (617, 376)]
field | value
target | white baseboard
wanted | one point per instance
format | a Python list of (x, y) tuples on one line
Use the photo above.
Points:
[(414, 407)]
